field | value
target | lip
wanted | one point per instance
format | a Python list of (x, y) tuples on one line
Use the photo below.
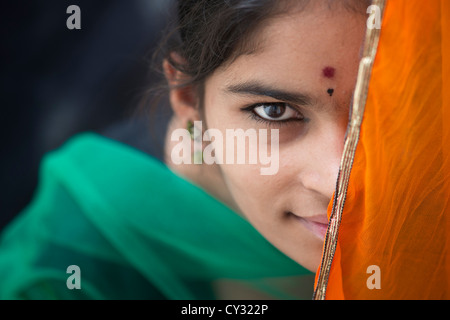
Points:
[(318, 225)]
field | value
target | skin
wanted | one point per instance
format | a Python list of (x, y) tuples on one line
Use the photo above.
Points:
[(290, 207)]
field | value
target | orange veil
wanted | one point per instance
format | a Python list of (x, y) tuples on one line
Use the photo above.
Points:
[(389, 233)]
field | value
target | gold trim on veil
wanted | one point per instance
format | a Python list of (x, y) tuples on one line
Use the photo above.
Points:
[(353, 131)]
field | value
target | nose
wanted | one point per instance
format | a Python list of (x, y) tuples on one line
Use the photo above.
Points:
[(323, 157)]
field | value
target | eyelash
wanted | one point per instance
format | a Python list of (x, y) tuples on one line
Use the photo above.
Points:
[(279, 123)]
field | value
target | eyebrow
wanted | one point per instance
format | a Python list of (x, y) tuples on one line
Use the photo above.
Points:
[(255, 88)]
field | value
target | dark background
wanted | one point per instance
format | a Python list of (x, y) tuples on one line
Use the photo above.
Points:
[(56, 82)]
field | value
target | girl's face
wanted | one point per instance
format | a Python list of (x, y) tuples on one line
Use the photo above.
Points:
[(300, 80)]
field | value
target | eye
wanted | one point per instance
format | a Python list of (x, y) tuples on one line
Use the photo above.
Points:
[(276, 112)]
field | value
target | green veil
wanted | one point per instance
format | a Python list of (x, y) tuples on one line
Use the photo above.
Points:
[(136, 230)]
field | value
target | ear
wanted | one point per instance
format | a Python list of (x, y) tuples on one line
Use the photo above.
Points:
[(184, 100)]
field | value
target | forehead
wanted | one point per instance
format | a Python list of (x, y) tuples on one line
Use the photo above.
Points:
[(290, 19), (300, 43)]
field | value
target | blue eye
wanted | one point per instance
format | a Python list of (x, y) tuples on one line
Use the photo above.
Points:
[(276, 112)]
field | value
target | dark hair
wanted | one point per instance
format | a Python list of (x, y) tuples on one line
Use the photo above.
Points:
[(212, 32)]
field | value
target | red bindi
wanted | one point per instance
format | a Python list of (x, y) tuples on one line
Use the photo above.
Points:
[(328, 72)]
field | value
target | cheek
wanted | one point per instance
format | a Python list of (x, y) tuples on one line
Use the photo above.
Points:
[(244, 181), (251, 191)]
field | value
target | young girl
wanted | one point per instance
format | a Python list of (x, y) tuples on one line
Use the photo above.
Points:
[(110, 222), (285, 65)]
